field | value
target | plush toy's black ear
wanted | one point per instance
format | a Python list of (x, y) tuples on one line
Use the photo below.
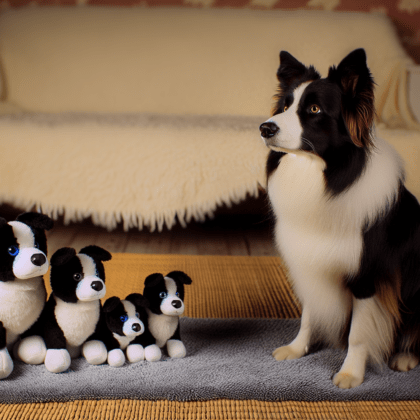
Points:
[(3, 222), (153, 280), (357, 87), (180, 276), (111, 303), (62, 256), (138, 300), (96, 252), (36, 220)]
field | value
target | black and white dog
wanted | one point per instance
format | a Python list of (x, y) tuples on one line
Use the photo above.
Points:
[(72, 312), (23, 262), (346, 227), (125, 329), (166, 303)]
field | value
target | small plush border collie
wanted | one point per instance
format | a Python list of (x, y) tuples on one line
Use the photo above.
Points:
[(346, 227)]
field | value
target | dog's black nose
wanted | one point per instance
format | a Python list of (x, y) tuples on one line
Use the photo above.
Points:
[(97, 285), (136, 327), (269, 129), (38, 259), (176, 304)]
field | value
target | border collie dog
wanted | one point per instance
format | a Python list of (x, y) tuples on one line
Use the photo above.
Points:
[(346, 227)]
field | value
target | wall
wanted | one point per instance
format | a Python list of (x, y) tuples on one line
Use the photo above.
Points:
[(405, 14)]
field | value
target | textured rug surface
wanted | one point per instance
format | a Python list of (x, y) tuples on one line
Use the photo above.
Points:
[(227, 358), (247, 304)]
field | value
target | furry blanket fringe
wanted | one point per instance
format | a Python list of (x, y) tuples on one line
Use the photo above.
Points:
[(138, 170)]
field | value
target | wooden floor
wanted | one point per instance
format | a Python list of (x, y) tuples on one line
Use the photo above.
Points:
[(226, 234)]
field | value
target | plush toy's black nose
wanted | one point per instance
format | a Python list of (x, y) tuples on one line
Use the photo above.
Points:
[(136, 327), (269, 129), (97, 285), (38, 259), (176, 304)]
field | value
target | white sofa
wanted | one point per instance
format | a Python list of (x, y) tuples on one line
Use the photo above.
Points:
[(148, 116)]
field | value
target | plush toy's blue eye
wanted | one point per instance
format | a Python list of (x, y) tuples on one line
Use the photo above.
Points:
[(177, 294), (36, 245), (137, 315), (123, 318), (13, 250), (163, 295)]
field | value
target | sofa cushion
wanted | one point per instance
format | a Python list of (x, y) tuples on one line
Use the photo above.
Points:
[(181, 61)]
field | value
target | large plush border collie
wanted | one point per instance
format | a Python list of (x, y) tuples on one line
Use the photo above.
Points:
[(346, 227)]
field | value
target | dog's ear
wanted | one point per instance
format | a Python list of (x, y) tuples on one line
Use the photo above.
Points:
[(138, 300), (36, 220), (356, 83), (290, 69), (62, 256), (111, 303), (96, 252), (179, 276), (153, 280)]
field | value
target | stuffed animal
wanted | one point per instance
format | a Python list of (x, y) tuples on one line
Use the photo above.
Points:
[(72, 312), (166, 303), (125, 323), (23, 262)]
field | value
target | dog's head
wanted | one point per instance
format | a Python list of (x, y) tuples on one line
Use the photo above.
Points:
[(79, 276), (166, 294), (317, 115), (23, 246), (126, 317)]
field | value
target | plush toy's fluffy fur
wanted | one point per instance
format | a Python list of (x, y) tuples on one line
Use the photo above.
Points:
[(346, 227), (23, 262)]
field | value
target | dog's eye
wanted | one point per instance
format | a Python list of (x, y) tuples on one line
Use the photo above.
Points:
[(13, 250), (78, 276), (123, 318), (137, 315), (177, 294), (36, 245), (285, 108), (315, 109), (163, 295)]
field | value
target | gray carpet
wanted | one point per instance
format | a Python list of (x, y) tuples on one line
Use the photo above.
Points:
[(227, 358)]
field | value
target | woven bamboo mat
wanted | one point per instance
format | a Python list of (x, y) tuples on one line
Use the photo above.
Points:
[(222, 287)]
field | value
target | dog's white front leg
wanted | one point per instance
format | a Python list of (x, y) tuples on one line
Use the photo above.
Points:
[(299, 346), (371, 336)]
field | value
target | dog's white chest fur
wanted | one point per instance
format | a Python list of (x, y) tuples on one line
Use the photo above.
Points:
[(312, 231), (77, 320), (162, 327), (21, 303)]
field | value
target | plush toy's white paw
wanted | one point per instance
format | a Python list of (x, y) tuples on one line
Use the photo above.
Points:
[(31, 350), (95, 352), (116, 358), (57, 360), (152, 353), (135, 353), (6, 364), (176, 349)]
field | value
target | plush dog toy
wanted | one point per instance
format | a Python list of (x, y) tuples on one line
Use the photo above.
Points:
[(23, 262), (72, 312), (125, 323), (166, 303)]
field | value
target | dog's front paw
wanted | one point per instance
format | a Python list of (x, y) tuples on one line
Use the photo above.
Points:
[(116, 358), (152, 353), (287, 353), (135, 353), (404, 362), (346, 380), (94, 351), (176, 349), (31, 350)]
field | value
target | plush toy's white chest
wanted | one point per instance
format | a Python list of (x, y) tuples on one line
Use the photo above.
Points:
[(77, 320), (123, 340), (21, 303), (162, 327)]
